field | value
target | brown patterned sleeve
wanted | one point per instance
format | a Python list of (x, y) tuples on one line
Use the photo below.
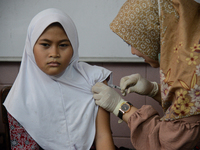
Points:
[(149, 132)]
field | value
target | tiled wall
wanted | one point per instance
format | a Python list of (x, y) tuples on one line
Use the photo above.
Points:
[(9, 70)]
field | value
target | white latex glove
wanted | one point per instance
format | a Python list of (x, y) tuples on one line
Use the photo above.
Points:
[(107, 98), (136, 83)]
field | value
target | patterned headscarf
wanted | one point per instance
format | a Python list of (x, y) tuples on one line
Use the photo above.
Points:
[(173, 28), (180, 58), (137, 23)]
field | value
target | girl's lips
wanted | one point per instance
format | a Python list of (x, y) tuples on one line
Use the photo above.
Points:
[(53, 64)]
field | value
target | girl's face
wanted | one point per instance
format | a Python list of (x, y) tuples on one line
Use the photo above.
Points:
[(153, 63), (53, 50)]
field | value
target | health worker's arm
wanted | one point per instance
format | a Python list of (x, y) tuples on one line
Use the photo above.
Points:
[(147, 129), (103, 138), (137, 84), (157, 97)]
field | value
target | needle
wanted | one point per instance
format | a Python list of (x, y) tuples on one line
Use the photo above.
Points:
[(114, 86)]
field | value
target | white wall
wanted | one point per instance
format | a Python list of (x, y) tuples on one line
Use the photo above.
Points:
[(92, 18)]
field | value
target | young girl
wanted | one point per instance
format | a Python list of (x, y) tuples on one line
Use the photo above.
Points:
[(50, 103)]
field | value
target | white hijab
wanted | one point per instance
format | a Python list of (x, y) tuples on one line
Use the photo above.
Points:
[(58, 112)]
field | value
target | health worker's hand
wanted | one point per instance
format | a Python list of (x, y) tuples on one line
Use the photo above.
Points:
[(107, 98), (136, 83)]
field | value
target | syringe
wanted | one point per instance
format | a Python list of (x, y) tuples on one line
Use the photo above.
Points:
[(114, 86)]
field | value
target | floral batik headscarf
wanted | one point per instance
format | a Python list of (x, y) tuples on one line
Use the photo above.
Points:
[(169, 27), (180, 58), (137, 23)]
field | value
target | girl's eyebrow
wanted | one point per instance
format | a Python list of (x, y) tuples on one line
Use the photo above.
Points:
[(46, 40), (65, 40)]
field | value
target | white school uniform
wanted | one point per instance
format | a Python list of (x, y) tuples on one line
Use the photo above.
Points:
[(58, 112)]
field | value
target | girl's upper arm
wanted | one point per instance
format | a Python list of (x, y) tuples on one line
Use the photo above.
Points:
[(103, 138)]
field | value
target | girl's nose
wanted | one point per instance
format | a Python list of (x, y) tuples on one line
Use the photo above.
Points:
[(54, 53)]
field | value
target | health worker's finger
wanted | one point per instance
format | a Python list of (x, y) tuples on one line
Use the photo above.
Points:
[(97, 96), (132, 81), (122, 81), (98, 102), (97, 88), (129, 90), (123, 93)]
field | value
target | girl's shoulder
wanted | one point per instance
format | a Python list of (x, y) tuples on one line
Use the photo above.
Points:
[(94, 72)]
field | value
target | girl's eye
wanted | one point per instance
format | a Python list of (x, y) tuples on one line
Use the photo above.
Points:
[(63, 45), (45, 44)]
